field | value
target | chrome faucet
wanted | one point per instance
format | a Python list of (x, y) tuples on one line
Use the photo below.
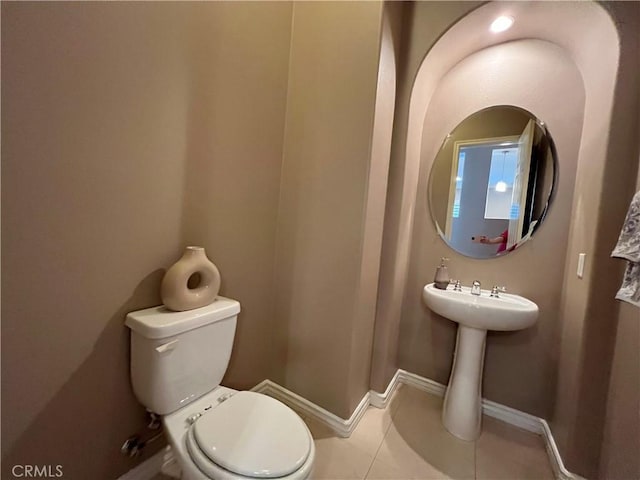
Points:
[(496, 290), (457, 287), (475, 288)]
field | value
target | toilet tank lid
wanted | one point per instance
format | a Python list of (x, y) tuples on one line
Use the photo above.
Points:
[(160, 322)]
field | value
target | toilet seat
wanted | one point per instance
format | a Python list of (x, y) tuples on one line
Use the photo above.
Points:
[(249, 435)]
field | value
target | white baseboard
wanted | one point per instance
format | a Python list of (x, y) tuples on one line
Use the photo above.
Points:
[(559, 470), (381, 400), (344, 427), (422, 383), (147, 469), (512, 416)]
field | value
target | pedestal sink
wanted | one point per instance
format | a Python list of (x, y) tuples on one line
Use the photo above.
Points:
[(475, 314)]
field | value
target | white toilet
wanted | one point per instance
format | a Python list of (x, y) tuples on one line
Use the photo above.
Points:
[(177, 362)]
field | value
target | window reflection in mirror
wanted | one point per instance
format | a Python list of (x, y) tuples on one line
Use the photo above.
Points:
[(491, 182)]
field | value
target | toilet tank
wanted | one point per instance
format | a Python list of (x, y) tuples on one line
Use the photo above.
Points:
[(176, 357)]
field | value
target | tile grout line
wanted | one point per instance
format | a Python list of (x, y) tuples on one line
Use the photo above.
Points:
[(375, 456), (475, 459)]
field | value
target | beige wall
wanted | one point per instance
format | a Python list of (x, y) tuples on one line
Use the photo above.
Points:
[(605, 183), (321, 273), (237, 100), (606, 147), (518, 365), (373, 222), (128, 130), (421, 26), (621, 436)]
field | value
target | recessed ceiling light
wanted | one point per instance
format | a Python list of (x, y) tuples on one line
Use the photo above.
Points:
[(501, 24)]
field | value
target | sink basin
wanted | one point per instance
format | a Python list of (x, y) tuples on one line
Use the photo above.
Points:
[(475, 314), (507, 312)]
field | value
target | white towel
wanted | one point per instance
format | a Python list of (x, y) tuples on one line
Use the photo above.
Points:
[(628, 247)]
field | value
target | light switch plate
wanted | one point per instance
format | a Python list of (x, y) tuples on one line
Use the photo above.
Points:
[(581, 258)]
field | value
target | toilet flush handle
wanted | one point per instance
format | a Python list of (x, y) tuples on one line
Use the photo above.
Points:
[(165, 347)]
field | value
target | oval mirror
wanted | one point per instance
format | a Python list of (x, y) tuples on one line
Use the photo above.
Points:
[(491, 182)]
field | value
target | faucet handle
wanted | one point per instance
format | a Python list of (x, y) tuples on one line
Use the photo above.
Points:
[(496, 290), (457, 287)]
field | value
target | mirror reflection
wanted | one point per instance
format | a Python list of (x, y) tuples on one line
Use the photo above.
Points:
[(491, 181)]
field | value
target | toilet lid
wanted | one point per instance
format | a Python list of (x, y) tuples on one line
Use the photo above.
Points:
[(254, 436)]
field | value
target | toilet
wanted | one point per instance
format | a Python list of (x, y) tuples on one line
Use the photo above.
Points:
[(177, 362)]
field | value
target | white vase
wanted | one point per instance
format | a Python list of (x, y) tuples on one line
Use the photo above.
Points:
[(175, 291)]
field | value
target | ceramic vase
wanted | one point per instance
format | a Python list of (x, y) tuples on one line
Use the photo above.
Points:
[(175, 291)]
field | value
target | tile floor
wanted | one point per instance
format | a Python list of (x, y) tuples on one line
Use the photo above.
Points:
[(407, 441)]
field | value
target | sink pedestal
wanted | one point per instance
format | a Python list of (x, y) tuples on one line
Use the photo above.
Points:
[(475, 314), (462, 411)]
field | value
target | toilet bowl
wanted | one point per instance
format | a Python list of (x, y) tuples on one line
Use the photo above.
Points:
[(177, 362), (239, 435)]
